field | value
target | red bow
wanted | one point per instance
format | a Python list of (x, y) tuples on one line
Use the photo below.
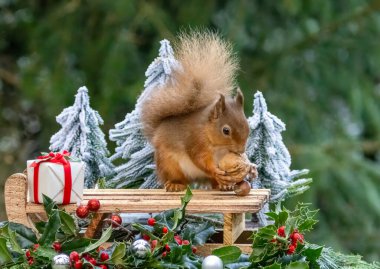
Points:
[(59, 158)]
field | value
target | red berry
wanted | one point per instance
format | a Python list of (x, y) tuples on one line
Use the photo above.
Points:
[(104, 256), (78, 264), (93, 205), (194, 249), (86, 256), (165, 230), (92, 261), (27, 253), (82, 211), (116, 218), (185, 242), (151, 221), (164, 254), (178, 239), (291, 249), (35, 246), (167, 247), (297, 237), (74, 256), (30, 261), (153, 244), (146, 237), (57, 246), (281, 231), (103, 266)]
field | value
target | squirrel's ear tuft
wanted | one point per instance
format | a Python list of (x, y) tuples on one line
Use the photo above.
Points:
[(239, 98), (219, 108)]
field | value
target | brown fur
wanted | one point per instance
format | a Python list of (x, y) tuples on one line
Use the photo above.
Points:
[(184, 120), (208, 69)]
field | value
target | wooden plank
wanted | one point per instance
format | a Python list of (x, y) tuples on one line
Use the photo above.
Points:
[(234, 225), (162, 192), (147, 201), (137, 207), (15, 199)]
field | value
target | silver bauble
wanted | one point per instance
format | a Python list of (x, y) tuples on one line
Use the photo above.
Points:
[(141, 248), (60, 261), (212, 262)]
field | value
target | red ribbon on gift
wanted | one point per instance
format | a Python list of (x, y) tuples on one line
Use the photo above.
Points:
[(59, 158)]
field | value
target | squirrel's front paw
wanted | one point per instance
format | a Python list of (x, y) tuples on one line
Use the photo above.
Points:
[(174, 187), (252, 174), (226, 187)]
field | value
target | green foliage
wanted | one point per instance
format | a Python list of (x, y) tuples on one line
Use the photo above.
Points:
[(317, 63)]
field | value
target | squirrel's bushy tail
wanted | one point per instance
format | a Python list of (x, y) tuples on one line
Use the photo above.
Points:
[(207, 69)]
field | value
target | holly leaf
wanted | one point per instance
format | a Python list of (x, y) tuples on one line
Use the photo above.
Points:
[(40, 226), (273, 216), (282, 217), (228, 254), (25, 236), (10, 236), (105, 236), (297, 265), (77, 244), (312, 254), (273, 266), (49, 204), (118, 254), (307, 225), (68, 224), (5, 255), (198, 233), (52, 226), (186, 199), (46, 252)]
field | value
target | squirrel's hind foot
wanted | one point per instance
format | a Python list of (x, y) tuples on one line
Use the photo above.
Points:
[(174, 187)]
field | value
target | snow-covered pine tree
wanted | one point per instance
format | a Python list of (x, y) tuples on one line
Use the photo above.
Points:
[(81, 135), (266, 149), (138, 169)]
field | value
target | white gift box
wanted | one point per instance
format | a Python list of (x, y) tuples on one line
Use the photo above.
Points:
[(51, 181)]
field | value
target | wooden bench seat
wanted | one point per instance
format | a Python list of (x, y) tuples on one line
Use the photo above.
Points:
[(231, 206)]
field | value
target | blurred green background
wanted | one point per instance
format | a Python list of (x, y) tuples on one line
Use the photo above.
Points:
[(317, 63)]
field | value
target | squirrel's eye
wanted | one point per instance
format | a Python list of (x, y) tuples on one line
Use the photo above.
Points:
[(226, 130)]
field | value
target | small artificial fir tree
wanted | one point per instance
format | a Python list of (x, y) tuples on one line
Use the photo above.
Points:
[(82, 137), (266, 149), (132, 146)]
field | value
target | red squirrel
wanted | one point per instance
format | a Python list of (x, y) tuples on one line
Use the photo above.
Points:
[(192, 121)]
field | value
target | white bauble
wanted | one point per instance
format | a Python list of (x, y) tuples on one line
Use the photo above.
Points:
[(212, 262), (140, 248), (60, 261)]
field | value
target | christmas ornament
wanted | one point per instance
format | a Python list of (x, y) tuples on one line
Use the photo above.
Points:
[(242, 188), (82, 211), (140, 248), (93, 205), (61, 261), (212, 262), (117, 219)]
